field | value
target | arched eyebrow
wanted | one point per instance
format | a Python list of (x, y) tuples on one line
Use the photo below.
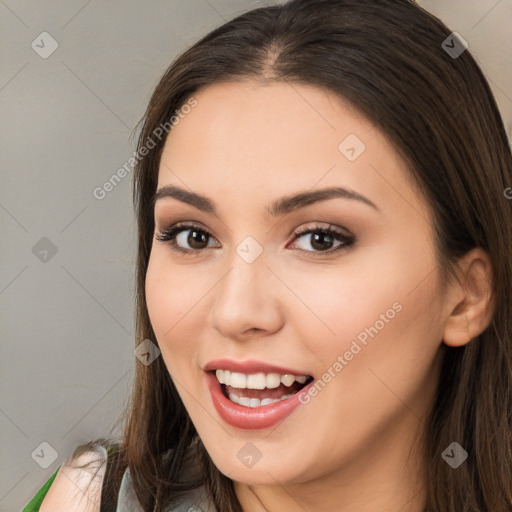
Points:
[(280, 207)]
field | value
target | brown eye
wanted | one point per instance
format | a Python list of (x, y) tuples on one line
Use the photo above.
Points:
[(196, 239), (185, 238), (322, 240)]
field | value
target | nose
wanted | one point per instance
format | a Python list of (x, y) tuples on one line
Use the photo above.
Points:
[(246, 300)]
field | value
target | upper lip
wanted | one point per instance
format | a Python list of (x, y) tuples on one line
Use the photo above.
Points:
[(250, 366)]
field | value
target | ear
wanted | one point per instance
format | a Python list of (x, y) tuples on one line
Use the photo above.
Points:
[(470, 300)]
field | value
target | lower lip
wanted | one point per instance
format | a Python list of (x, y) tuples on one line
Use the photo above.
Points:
[(251, 418)]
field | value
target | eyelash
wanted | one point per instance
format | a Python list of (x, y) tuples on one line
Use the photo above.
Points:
[(168, 235)]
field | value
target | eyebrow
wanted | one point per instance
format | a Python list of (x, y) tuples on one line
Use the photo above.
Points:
[(280, 207)]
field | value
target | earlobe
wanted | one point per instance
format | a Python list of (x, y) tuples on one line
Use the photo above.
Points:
[(472, 307)]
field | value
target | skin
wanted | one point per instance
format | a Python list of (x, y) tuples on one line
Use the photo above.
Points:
[(358, 445), (75, 488)]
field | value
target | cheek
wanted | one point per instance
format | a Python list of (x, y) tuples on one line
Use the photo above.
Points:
[(390, 368), (172, 292), (386, 298), (388, 333), (336, 302), (173, 300)]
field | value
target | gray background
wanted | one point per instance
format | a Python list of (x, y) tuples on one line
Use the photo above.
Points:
[(67, 319)]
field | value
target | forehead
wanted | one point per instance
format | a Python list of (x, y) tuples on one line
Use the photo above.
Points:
[(267, 118), (264, 140)]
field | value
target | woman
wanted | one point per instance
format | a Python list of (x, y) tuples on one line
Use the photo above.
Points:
[(324, 265)]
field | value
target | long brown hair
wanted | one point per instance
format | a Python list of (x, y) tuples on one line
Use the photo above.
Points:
[(386, 57)]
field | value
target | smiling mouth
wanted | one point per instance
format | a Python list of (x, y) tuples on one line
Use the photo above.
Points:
[(259, 389)]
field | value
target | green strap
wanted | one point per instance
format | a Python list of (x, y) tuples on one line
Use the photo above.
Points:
[(35, 502)]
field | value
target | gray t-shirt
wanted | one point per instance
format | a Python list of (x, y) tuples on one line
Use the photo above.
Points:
[(195, 501)]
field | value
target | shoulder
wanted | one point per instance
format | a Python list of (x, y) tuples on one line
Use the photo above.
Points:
[(77, 485)]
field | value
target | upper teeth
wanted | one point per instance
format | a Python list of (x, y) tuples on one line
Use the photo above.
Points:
[(257, 380)]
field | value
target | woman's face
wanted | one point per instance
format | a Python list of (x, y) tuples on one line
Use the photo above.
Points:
[(358, 312)]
